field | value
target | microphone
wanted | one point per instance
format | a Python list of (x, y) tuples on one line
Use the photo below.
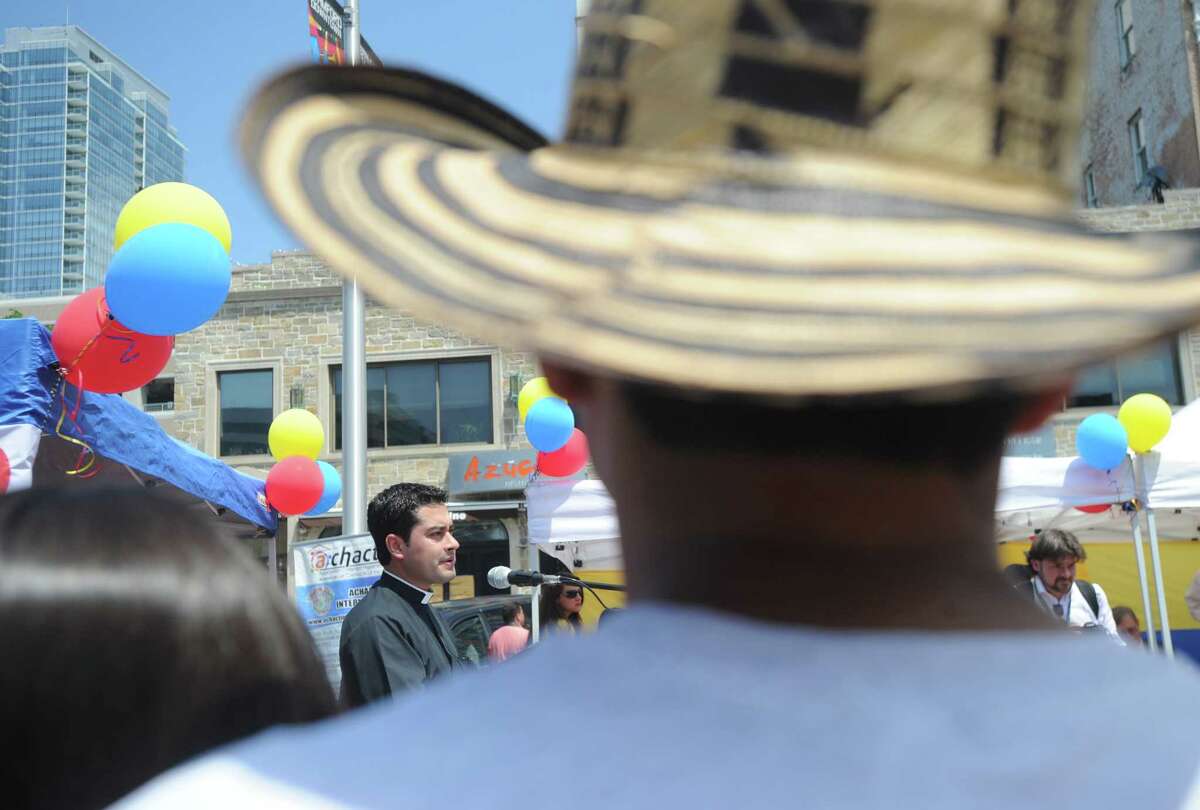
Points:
[(502, 577)]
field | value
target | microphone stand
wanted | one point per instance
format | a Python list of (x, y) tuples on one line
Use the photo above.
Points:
[(599, 586)]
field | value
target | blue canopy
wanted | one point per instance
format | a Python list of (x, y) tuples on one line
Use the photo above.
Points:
[(119, 433)]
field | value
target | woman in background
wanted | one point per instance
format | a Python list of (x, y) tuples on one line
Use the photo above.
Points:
[(134, 636), (559, 607)]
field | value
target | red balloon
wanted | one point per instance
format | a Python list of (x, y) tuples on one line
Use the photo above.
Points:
[(117, 360), (294, 485), (1093, 509), (568, 459)]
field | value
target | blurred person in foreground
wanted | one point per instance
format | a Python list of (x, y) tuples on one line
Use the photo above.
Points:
[(393, 640), (511, 637), (799, 267), (135, 636)]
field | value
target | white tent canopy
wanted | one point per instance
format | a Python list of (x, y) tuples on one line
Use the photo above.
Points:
[(1038, 492), (574, 521)]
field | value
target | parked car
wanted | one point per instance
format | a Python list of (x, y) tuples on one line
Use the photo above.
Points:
[(472, 622)]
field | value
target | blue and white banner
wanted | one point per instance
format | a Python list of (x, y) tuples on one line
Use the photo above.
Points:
[(329, 578)]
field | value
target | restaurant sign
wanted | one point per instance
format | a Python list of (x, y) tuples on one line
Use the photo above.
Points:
[(493, 471)]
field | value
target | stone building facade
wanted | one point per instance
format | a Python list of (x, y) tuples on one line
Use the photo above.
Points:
[(287, 316), (1142, 102), (284, 318)]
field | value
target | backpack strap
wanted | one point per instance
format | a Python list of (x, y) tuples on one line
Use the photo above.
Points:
[(1089, 594)]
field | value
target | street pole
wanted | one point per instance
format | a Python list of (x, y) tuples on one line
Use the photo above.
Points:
[(354, 360)]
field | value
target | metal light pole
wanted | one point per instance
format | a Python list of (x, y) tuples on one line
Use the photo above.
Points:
[(354, 360)]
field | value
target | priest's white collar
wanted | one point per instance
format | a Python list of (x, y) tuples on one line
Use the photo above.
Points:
[(425, 595)]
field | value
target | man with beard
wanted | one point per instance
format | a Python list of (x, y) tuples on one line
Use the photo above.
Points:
[(1079, 603), (392, 640)]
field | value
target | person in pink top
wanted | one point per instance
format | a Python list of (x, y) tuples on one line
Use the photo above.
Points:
[(510, 639)]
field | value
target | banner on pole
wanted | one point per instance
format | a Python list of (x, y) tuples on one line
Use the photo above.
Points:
[(330, 576), (326, 20)]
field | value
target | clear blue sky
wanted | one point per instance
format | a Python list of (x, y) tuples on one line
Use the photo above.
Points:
[(209, 57)]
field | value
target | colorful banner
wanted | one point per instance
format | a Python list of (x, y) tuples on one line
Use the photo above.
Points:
[(325, 27), (329, 578)]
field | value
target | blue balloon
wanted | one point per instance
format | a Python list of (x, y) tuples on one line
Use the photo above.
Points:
[(1102, 441), (331, 492), (167, 279), (549, 424)]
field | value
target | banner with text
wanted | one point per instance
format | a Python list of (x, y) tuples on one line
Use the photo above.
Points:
[(325, 28), (330, 576)]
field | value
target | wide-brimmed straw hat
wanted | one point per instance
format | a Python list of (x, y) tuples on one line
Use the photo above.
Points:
[(794, 198)]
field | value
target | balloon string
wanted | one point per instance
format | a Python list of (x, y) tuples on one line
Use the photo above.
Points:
[(66, 371), (86, 452), (103, 314)]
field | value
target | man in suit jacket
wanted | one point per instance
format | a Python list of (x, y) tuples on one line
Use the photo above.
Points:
[(392, 640)]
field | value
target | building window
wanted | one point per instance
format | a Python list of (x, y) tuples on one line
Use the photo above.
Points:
[(159, 395), (247, 402), (1090, 200), (423, 402), (1125, 35), (1155, 371), (1137, 141)]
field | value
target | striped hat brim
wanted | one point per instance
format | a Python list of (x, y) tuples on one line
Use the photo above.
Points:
[(805, 275)]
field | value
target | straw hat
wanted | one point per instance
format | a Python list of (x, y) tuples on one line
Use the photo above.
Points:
[(789, 198)]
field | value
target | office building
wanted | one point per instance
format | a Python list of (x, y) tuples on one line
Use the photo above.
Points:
[(80, 133)]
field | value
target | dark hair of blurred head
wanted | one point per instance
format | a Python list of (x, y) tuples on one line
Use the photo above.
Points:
[(135, 636), (958, 435)]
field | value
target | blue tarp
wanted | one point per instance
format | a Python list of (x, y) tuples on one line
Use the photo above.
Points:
[(116, 430)]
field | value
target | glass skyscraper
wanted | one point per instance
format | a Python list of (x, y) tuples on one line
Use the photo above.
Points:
[(80, 133)]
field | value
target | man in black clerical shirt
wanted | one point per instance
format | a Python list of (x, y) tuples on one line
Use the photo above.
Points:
[(392, 640)]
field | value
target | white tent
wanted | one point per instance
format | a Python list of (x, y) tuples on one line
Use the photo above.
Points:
[(1037, 492), (1162, 486), (574, 521)]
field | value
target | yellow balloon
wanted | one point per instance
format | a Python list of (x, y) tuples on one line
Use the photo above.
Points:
[(536, 389), (1146, 418), (296, 432), (173, 202)]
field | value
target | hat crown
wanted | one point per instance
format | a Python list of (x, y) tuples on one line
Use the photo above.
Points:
[(981, 86)]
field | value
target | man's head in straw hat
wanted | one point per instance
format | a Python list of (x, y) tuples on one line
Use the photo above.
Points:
[(798, 266)]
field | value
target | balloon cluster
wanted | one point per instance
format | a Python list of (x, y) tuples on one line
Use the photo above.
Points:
[(299, 484), (550, 427), (1104, 441), (170, 273)]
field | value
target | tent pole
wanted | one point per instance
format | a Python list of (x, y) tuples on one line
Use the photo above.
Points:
[(1135, 522), (1139, 472), (1164, 621)]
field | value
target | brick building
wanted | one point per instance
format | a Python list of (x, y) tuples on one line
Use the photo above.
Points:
[(1141, 125)]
